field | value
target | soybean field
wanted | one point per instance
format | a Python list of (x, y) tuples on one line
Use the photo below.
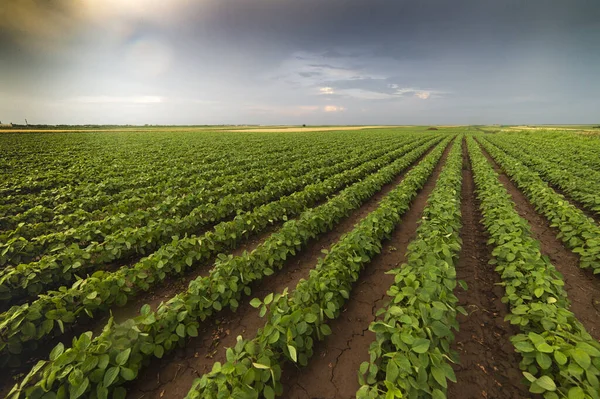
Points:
[(390, 262)]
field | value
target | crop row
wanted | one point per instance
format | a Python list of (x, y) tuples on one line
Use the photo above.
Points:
[(109, 163), (27, 280), (40, 218), (559, 358), (153, 333), (576, 230), (239, 180), (295, 320), (556, 168), (408, 357), (580, 149), (48, 314), (65, 171), (185, 181), (142, 169)]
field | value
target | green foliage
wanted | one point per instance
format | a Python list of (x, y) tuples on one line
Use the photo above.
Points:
[(577, 231), (30, 323), (410, 354), (295, 320), (65, 255), (155, 333), (559, 358)]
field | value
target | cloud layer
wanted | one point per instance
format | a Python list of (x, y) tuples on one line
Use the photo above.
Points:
[(314, 62)]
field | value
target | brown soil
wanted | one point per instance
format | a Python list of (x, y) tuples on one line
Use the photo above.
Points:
[(333, 370), (583, 288), (489, 365), (172, 376)]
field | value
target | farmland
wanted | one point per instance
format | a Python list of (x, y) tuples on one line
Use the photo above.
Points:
[(383, 262)]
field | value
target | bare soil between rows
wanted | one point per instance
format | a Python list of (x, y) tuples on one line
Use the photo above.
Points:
[(172, 376), (582, 286), (488, 364)]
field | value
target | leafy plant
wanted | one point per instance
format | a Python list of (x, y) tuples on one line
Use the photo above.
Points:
[(560, 359)]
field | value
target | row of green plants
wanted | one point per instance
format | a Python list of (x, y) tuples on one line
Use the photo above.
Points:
[(73, 164), (577, 231), (411, 355), (153, 333), (71, 214), (578, 148), (188, 180), (28, 280), (96, 185), (99, 292), (565, 150), (67, 167), (61, 167), (296, 320), (559, 358), (242, 179), (576, 181)]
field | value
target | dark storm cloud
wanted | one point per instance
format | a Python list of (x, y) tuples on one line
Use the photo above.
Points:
[(335, 61)]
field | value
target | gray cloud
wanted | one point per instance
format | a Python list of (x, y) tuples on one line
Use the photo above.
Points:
[(227, 61)]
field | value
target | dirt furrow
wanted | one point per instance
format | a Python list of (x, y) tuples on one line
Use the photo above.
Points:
[(583, 288), (333, 371), (489, 365), (172, 376)]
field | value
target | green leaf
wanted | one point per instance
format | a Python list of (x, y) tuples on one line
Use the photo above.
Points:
[(268, 392), (293, 354), (524, 346), (180, 330), (576, 393), (192, 331), (57, 351), (119, 393), (159, 351), (530, 377), (391, 371), (310, 317), (440, 329), (110, 376), (440, 376), (127, 374), (543, 360), (582, 358), (544, 347), (123, 356), (325, 329), (261, 366), (421, 345), (255, 303), (269, 299), (560, 358), (76, 391), (438, 394), (547, 383)]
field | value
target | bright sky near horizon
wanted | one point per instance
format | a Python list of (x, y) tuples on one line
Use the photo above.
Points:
[(299, 61)]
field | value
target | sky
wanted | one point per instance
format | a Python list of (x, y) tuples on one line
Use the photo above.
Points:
[(308, 62)]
